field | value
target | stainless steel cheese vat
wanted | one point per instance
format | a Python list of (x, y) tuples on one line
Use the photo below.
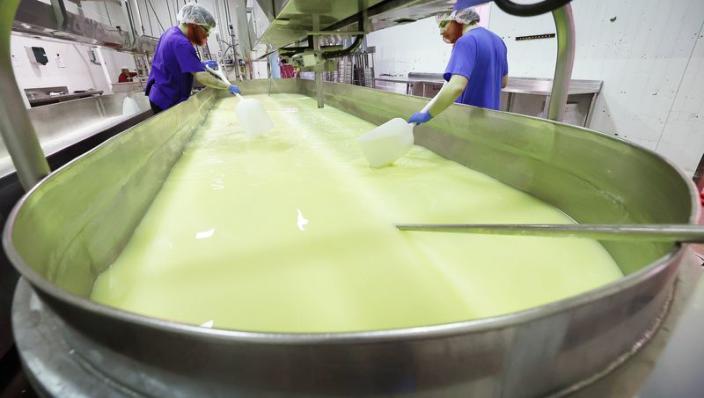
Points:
[(74, 223)]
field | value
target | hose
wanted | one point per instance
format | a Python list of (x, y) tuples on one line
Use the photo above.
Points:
[(530, 10)]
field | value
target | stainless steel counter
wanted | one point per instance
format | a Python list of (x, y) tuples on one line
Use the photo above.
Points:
[(524, 95), (53, 99), (65, 123)]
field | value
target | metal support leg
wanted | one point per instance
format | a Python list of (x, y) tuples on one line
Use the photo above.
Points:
[(564, 24), (318, 64), (16, 128)]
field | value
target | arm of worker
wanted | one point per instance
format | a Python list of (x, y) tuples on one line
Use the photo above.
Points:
[(209, 80), (504, 66), (446, 97)]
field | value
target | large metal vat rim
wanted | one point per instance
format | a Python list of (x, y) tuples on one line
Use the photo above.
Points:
[(424, 332), (414, 333)]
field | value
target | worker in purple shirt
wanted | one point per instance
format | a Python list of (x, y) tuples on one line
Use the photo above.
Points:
[(478, 68), (176, 64)]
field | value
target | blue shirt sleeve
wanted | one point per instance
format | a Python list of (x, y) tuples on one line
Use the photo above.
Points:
[(462, 59), (504, 61), (187, 58)]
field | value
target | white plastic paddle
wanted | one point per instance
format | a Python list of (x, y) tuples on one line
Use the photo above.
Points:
[(253, 117), (387, 143)]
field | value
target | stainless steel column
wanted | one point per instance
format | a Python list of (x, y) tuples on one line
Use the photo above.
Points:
[(318, 61), (16, 128), (564, 24)]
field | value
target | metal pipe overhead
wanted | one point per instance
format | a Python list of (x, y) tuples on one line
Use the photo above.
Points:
[(15, 126), (564, 24), (318, 65)]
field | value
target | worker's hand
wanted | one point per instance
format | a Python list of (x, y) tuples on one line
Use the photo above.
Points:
[(210, 64), (420, 118), (234, 90)]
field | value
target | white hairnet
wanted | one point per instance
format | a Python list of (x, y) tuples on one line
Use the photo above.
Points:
[(196, 14), (465, 16)]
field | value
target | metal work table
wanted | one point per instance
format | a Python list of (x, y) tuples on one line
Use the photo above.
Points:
[(41, 96), (63, 124), (524, 95)]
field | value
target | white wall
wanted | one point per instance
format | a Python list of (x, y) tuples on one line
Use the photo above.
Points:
[(75, 71), (154, 24), (77, 74), (644, 51), (650, 57), (413, 47)]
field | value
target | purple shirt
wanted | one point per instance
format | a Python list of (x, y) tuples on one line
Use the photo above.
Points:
[(480, 56), (170, 80)]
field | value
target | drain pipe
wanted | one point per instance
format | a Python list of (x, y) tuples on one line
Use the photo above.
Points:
[(318, 62), (564, 24), (15, 126)]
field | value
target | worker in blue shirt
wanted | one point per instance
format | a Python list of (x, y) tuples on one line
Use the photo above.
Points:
[(478, 67), (176, 64)]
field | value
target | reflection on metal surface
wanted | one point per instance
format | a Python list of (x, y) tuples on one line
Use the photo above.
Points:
[(573, 339)]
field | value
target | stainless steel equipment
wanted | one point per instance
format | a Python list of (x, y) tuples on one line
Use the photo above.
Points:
[(551, 349), (16, 129), (527, 96), (682, 233), (292, 21), (53, 20), (52, 95), (60, 125)]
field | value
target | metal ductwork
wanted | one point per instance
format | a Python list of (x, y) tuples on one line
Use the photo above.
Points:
[(52, 20), (291, 21)]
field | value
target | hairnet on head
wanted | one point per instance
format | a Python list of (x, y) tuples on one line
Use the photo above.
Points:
[(464, 16), (196, 14)]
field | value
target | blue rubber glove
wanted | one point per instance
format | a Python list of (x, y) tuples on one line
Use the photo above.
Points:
[(234, 90), (210, 64), (420, 118)]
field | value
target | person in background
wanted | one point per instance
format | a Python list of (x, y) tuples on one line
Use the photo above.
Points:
[(287, 70), (125, 75), (176, 64), (478, 67)]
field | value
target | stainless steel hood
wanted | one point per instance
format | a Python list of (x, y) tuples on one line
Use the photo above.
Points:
[(290, 21), (38, 18)]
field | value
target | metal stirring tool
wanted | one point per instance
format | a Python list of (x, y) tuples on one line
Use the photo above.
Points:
[(685, 233)]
